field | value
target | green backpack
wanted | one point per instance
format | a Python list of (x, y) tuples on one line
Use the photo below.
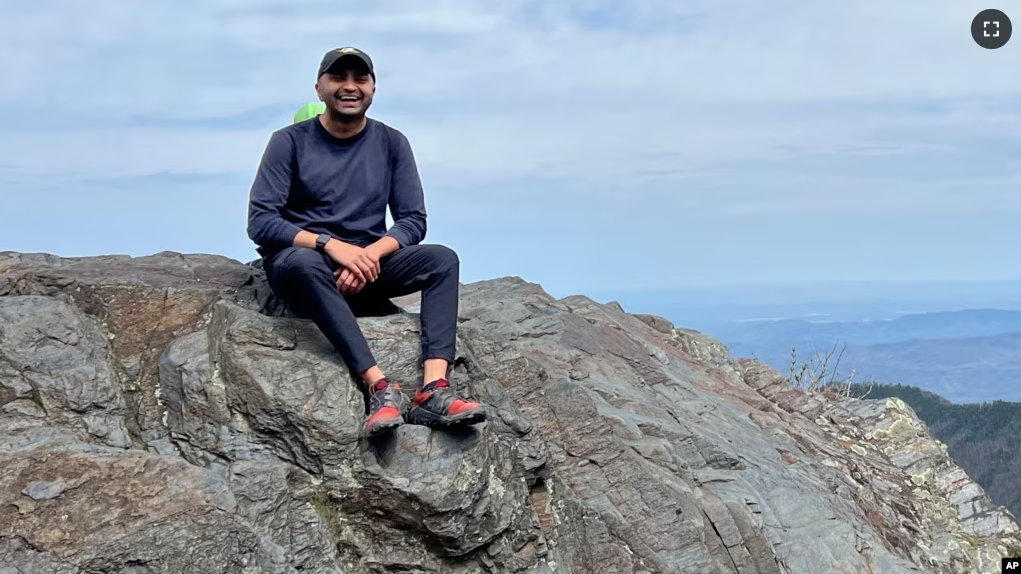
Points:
[(309, 111)]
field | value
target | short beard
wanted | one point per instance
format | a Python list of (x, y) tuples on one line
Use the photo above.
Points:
[(347, 119)]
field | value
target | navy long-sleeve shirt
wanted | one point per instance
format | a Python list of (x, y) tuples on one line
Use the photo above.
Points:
[(310, 180)]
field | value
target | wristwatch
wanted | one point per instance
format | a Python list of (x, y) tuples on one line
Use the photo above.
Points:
[(321, 242)]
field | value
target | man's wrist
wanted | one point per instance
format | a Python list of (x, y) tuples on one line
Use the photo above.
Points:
[(322, 240), (332, 244), (385, 245)]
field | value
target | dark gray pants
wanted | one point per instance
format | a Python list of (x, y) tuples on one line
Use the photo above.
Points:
[(304, 279)]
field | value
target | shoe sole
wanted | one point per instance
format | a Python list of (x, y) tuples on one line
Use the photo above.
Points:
[(382, 427), (431, 419)]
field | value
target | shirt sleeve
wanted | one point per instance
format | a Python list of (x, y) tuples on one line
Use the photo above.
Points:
[(266, 226), (407, 202)]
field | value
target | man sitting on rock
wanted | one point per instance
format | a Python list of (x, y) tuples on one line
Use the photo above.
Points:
[(318, 216)]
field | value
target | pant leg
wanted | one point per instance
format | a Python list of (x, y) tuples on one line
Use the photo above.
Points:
[(304, 279), (434, 270)]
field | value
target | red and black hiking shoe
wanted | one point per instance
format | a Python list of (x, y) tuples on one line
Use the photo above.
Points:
[(387, 407), (437, 405)]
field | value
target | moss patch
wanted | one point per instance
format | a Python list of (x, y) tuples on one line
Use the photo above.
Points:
[(321, 504)]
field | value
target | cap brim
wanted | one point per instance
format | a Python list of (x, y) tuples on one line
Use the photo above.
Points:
[(341, 62)]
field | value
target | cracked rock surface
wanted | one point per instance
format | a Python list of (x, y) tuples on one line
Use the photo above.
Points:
[(166, 414)]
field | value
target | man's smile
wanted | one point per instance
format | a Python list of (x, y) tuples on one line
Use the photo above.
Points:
[(349, 101)]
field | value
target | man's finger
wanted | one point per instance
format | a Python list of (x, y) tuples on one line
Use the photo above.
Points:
[(348, 279), (366, 270), (357, 272), (366, 266)]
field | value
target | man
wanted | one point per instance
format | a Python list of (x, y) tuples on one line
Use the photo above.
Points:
[(318, 215)]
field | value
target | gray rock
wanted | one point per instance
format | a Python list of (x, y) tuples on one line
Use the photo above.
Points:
[(143, 303), (125, 508), (45, 490), (280, 502), (55, 357), (167, 414), (456, 492)]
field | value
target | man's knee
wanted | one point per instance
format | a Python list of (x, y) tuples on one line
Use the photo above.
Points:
[(442, 258), (297, 263)]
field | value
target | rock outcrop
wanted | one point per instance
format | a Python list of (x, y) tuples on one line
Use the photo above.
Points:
[(167, 414)]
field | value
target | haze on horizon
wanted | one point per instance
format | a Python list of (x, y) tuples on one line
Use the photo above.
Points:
[(585, 145)]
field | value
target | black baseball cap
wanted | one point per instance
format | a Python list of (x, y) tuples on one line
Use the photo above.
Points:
[(333, 56)]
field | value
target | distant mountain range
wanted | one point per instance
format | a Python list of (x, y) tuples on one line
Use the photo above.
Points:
[(704, 308), (941, 325), (965, 370), (965, 356), (984, 439)]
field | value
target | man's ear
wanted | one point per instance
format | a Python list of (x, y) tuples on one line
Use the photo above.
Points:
[(316, 87)]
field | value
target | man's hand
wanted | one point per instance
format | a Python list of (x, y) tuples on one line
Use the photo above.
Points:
[(385, 246), (357, 260), (347, 282)]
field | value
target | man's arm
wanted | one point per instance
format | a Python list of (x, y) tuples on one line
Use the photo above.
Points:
[(407, 202), (266, 227)]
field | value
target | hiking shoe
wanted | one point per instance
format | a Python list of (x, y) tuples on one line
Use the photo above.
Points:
[(387, 406), (437, 405)]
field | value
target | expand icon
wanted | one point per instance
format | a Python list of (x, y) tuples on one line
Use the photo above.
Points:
[(991, 29)]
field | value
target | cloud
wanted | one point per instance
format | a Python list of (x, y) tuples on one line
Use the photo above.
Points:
[(601, 67), (724, 111)]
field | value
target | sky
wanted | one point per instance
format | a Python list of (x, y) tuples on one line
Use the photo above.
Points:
[(585, 145)]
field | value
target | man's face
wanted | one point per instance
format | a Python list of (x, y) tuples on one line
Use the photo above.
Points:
[(347, 89)]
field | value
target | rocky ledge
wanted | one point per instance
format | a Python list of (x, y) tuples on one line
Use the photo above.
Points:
[(166, 414)]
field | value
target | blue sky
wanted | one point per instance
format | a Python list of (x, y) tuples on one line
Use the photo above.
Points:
[(585, 145)]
